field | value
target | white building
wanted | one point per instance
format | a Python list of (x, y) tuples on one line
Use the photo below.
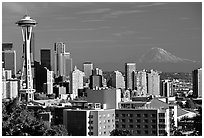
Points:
[(118, 81), (76, 82)]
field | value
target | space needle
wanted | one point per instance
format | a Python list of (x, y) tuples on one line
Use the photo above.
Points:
[(26, 83)]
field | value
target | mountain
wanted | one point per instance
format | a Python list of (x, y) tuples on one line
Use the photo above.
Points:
[(159, 59), (159, 55)]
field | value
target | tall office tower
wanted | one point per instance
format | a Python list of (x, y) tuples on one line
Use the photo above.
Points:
[(88, 67), (118, 81), (45, 58), (153, 83), (7, 46), (67, 65), (141, 82), (166, 88), (62, 60), (130, 69), (48, 86), (97, 71), (6, 74), (197, 82), (26, 90), (76, 82), (9, 61)]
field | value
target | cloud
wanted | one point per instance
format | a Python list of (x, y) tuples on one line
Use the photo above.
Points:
[(64, 18), (119, 13), (66, 29), (93, 20), (184, 18), (94, 41), (95, 11), (150, 5), (124, 33)]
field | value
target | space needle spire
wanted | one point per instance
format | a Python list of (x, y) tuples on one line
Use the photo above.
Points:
[(26, 86)]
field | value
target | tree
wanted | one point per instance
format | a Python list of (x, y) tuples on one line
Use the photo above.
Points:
[(18, 121), (117, 132)]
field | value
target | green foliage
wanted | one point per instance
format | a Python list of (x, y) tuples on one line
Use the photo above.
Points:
[(117, 132), (18, 121)]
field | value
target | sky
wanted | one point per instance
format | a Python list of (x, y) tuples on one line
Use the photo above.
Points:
[(105, 32)]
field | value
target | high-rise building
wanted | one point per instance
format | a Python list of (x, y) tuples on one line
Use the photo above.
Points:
[(45, 58), (118, 81), (76, 82), (9, 61), (62, 61), (153, 83), (48, 86), (88, 67), (141, 82), (67, 65), (130, 69), (197, 82), (166, 88)]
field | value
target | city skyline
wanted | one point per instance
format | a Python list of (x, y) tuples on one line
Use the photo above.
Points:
[(124, 31)]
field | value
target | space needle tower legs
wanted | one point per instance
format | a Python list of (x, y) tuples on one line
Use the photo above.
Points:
[(26, 83)]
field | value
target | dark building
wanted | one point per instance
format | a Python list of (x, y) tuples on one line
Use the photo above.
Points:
[(138, 122), (130, 69), (40, 77), (95, 81), (45, 58), (197, 82)]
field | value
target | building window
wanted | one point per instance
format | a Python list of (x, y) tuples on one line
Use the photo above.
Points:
[(117, 126), (130, 126), (145, 126), (162, 120), (90, 116), (113, 115), (123, 120), (123, 126), (138, 126), (162, 126), (154, 132), (130, 120), (161, 114), (138, 115), (153, 126), (90, 133), (138, 120), (108, 121), (112, 120), (90, 127), (104, 132), (145, 115), (116, 115), (153, 115), (146, 131), (123, 115), (153, 121), (138, 132), (146, 120)]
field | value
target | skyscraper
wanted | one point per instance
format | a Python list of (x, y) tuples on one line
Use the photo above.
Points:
[(45, 57), (153, 83), (141, 82), (130, 69), (9, 61), (88, 67), (166, 88), (76, 81), (197, 82), (62, 61), (48, 86), (118, 81), (59, 48)]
